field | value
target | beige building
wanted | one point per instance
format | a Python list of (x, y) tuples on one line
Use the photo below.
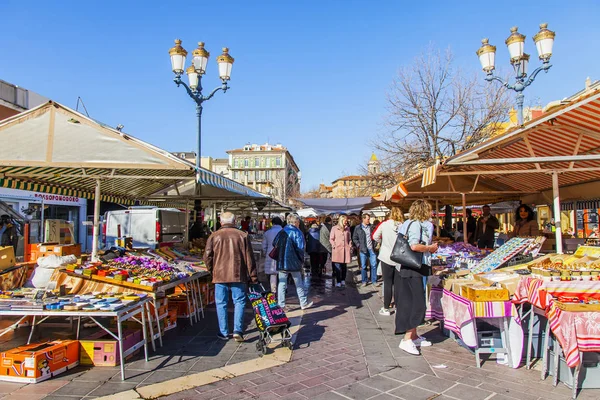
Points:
[(267, 168), (354, 185), (217, 165)]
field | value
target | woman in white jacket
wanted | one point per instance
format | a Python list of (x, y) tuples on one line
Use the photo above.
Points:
[(267, 246), (386, 234)]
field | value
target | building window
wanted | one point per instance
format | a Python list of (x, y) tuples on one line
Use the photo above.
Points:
[(268, 175), (256, 162), (236, 163), (256, 175), (236, 175), (278, 162), (245, 163), (246, 174)]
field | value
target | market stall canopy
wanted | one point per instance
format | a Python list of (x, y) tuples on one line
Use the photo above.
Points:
[(54, 149), (519, 164), (265, 207), (307, 212), (565, 140), (335, 206)]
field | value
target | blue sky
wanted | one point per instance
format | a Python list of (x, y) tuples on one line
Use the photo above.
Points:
[(312, 75)]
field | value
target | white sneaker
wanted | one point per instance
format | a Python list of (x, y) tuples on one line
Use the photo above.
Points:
[(338, 284), (309, 305), (385, 311), (409, 347), (422, 342), (343, 283)]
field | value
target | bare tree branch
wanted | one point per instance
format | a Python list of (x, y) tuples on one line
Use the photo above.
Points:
[(435, 111)]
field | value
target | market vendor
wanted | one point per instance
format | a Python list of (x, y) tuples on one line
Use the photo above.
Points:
[(8, 232), (526, 224), (486, 227)]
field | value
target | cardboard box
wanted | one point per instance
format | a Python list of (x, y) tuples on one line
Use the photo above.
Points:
[(181, 304), (447, 283), (58, 230), (482, 292), (507, 282), (7, 257), (101, 349), (39, 361)]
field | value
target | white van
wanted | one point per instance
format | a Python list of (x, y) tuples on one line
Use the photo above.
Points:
[(148, 226)]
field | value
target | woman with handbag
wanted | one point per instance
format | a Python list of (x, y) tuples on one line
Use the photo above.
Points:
[(409, 288), (340, 250), (386, 234)]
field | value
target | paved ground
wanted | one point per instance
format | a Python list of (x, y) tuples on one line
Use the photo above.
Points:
[(345, 349)]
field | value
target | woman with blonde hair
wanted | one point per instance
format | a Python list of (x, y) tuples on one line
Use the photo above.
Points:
[(340, 250), (409, 288), (386, 234)]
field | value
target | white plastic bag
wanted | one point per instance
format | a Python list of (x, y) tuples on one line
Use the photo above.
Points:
[(46, 266)]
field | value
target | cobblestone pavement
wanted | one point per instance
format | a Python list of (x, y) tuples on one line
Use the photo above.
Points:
[(346, 350)]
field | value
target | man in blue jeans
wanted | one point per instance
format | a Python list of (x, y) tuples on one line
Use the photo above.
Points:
[(363, 240), (230, 260), (290, 246)]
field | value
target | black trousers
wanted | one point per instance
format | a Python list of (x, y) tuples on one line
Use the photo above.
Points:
[(388, 283), (317, 263), (340, 270)]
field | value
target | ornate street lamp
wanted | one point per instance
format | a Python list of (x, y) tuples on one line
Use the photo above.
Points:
[(544, 41), (194, 88)]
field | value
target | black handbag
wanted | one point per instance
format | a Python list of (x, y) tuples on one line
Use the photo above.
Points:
[(404, 255)]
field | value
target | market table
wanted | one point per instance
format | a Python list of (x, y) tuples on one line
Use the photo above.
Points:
[(129, 311), (576, 331), (191, 286), (459, 315), (539, 292)]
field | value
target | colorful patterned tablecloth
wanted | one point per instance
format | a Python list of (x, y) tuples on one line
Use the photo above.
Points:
[(539, 292), (459, 315), (575, 331)]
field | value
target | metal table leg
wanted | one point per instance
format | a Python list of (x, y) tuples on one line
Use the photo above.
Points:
[(506, 338), (120, 335), (576, 371), (146, 308), (545, 352), (200, 297), (150, 322), (156, 315), (529, 337), (33, 323), (187, 296), (557, 350), (78, 327), (194, 303)]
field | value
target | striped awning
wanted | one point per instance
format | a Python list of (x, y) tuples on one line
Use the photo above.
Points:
[(54, 149), (565, 140), (520, 163)]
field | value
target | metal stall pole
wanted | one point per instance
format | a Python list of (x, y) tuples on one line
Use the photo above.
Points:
[(96, 227), (187, 224), (556, 196), (437, 217), (464, 213)]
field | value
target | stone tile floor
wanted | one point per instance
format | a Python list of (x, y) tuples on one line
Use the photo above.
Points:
[(186, 350), (346, 350), (343, 350)]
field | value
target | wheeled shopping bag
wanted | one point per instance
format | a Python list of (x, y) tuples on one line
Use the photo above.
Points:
[(270, 321)]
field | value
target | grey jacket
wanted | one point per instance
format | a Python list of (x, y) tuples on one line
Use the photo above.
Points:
[(324, 236)]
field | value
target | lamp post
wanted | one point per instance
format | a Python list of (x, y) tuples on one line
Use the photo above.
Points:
[(194, 89), (544, 40)]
